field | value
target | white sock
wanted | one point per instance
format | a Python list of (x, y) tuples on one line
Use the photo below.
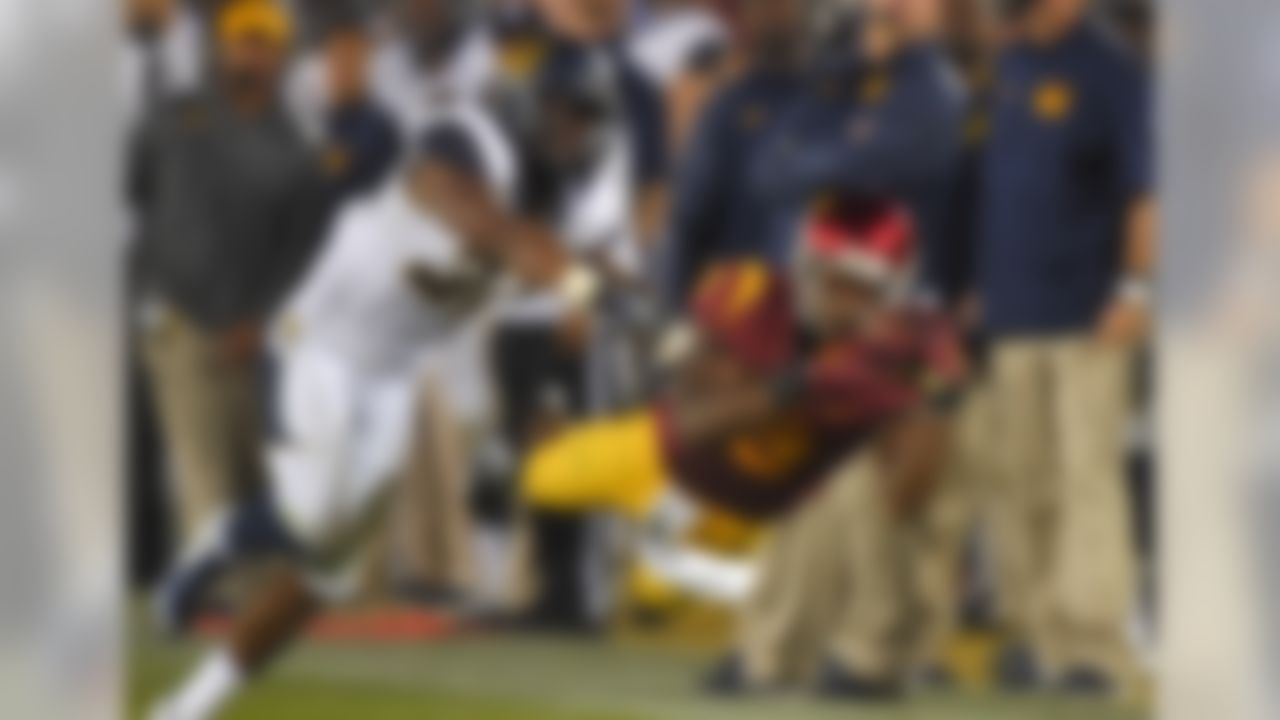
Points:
[(217, 678)]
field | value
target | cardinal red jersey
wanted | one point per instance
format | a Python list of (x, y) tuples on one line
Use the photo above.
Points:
[(850, 389)]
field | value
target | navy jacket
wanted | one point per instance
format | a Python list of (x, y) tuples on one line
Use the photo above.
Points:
[(716, 211)]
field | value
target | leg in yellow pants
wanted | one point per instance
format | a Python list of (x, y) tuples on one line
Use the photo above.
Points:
[(617, 466), (613, 464)]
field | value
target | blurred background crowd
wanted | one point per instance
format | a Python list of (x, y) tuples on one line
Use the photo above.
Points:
[(647, 134)]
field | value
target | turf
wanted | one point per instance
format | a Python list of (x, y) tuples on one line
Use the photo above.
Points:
[(492, 678)]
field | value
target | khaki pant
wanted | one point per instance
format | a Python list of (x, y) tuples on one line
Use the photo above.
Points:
[(432, 522), (208, 414), (936, 542), (1065, 559), (828, 585), (842, 578)]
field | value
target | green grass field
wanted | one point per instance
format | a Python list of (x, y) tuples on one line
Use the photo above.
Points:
[(490, 678)]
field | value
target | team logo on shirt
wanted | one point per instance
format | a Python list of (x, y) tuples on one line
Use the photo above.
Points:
[(771, 453), (1053, 100)]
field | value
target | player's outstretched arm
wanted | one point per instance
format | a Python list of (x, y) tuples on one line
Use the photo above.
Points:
[(698, 420), (913, 451)]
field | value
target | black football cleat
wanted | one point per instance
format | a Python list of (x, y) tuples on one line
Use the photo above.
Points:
[(1086, 682), (836, 682), (935, 677), (728, 678), (1018, 670)]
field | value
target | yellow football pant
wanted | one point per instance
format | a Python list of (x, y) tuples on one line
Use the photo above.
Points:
[(614, 464)]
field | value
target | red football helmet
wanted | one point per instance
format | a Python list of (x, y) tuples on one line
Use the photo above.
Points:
[(871, 240), (745, 306)]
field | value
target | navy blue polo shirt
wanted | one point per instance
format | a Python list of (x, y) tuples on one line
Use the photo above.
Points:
[(1071, 147), (716, 213), (894, 131)]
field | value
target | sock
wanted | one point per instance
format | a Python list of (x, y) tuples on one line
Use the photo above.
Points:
[(251, 529), (199, 567), (214, 682)]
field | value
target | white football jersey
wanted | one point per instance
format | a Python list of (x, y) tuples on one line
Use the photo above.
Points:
[(358, 302)]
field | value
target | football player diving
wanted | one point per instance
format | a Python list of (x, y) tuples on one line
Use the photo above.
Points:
[(781, 380)]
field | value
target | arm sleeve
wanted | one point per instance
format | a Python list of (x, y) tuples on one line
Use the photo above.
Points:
[(1132, 127)]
